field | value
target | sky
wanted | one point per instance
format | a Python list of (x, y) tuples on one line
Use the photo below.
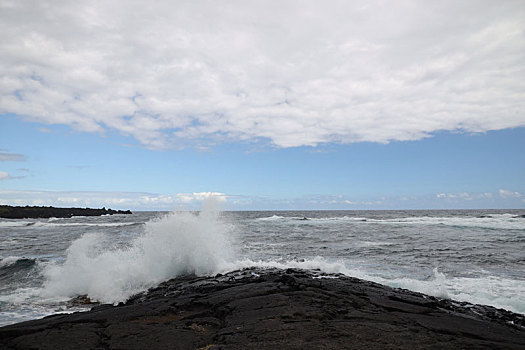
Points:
[(263, 104)]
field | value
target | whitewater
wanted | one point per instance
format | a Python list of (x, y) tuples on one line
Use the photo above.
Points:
[(465, 255)]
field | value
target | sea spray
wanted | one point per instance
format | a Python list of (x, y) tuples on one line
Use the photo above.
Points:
[(177, 244), (496, 291), (479, 253)]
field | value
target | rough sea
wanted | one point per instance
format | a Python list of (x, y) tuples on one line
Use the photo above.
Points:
[(477, 256)]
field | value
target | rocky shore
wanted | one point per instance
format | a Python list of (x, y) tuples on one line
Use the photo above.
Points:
[(28, 212), (274, 309)]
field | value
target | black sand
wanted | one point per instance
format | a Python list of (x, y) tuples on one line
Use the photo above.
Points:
[(274, 309)]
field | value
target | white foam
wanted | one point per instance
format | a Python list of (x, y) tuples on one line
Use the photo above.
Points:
[(316, 263), (495, 221), (342, 218), (372, 244), (15, 223), (20, 295), (496, 291), (10, 260), (183, 243), (505, 222), (176, 244), (98, 224), (499, 292), (25, 304), (53, 222), (272, 218)]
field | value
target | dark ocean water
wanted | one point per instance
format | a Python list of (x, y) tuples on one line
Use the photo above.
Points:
[(476, 256)]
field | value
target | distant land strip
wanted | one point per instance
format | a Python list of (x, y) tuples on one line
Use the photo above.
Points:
[(29, 212)]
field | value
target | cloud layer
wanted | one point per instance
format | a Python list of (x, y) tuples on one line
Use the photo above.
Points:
[(194, 201), (11, 157), (173, 74), (115, 200)]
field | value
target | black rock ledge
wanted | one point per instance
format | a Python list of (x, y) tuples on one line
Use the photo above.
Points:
[(27, 212), (274, 309)]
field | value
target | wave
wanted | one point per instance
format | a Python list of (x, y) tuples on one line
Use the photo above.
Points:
[(183, 243), (177, 244), (499, 292), (314, 219), (494, 221), (495, 291), (505, 222), (59, 222), (16, 260), (98, 224), (13, 267), (272, 218), (9, 260), (15, 223)]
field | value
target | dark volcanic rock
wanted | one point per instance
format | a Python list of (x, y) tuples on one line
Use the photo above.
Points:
[(27, 212), (274, 309)]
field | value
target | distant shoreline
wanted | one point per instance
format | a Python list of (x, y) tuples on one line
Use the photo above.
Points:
[(35, 212)]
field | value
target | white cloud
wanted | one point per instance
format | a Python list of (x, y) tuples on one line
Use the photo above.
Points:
[(318, 201), (509, 194), (173, 74), (116, 200), (465, 196), (199, 197), (4, 175), (194, 201), (11, 157)]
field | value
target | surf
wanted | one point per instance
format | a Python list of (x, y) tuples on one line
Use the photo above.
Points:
[(179, 243)]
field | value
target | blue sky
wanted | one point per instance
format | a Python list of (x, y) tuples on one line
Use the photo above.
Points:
[(290, 105), (449, 170)]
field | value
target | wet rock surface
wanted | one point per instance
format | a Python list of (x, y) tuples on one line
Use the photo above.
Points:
[(274, 309)]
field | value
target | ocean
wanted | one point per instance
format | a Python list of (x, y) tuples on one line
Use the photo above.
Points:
[(476, 256)]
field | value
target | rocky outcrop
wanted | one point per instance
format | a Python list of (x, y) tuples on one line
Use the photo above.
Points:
[(27, 212), (274, 309)]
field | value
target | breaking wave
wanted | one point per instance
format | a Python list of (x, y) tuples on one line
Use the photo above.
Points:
[(185, 243), (494, 221), (101, 224), (495, 291), (53, 222), (12, 264), (15, 223), (176, 244)]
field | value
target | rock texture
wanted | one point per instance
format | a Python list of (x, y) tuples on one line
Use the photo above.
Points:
[(274, 309), (27, 212)]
